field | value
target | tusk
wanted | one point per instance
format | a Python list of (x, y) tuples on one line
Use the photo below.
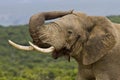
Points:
[(27, 48), (48, 50)]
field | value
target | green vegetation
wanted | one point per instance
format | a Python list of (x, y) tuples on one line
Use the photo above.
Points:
[(114, 18), (23, 65)]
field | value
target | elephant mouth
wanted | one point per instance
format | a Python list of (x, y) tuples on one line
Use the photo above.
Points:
[(56, 53), (45, 45), (62, 52)]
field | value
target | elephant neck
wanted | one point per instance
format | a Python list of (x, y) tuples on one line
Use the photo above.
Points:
[(77, 53)]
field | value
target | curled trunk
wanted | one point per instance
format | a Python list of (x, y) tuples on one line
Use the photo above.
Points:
[(38, 20)]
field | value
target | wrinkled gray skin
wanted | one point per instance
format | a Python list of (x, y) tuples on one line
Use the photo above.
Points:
[(93, 41)]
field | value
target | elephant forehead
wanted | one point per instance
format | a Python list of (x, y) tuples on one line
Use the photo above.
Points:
[(69, 21)]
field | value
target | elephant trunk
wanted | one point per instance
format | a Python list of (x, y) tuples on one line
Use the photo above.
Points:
[(35, 22), (38, 20)]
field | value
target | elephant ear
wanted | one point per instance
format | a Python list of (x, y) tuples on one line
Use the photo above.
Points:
[(101, 40)]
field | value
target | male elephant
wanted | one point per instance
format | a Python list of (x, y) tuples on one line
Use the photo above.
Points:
[(93, 41)]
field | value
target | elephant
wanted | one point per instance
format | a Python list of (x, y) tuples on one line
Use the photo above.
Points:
[(93, 41)]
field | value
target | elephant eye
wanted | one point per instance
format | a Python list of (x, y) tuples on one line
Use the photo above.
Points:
[(70, 32)]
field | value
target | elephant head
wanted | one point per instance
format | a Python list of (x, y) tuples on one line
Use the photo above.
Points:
[(71, 34)]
